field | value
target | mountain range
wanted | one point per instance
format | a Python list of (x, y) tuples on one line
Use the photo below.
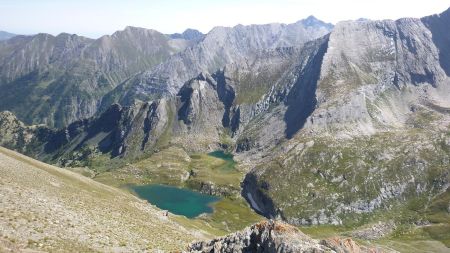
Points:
[(344, 126), (63, 78)]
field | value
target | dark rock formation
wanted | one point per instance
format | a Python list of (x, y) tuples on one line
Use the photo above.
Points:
[(272, 236)]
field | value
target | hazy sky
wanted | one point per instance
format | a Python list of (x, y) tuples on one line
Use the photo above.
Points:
[(94, 18)]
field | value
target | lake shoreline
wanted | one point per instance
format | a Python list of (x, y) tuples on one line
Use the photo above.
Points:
[(176, 200)]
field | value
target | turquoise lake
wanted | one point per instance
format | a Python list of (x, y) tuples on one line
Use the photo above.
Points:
[(230, 163), (176, 200)]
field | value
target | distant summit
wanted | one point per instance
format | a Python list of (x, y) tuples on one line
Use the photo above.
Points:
[(312, 21), (188, 34), (6, 35)]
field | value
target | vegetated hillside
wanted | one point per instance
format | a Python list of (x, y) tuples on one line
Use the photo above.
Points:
[(60, 79), (51, 209)]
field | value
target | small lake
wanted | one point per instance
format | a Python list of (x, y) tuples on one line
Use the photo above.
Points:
[(176, 200), (227, 157)]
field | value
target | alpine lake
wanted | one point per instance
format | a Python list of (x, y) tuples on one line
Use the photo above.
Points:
[(182, 201), (179, 201)]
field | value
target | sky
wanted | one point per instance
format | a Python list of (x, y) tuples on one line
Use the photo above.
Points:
[(94, 18)]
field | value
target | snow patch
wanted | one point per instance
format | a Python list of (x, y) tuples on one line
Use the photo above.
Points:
[(252, 202)]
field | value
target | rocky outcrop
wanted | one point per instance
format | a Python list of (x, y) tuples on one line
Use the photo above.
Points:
[(200, 103), (217, 190), (401, 63), (286, 106), (375, 231), (273, 236), (14, 134), (437, 25)]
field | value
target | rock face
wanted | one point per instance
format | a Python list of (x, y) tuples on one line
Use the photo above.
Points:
[(201, 106), (25, 139), (272, 236), (118, 131)]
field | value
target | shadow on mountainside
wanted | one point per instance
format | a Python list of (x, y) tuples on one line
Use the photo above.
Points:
[(439, 27), (301, 100), (253, 192)]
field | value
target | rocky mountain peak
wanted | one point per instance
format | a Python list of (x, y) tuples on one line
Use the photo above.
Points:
[(312, 21), (192, 34), (188, 34), (133, 30)]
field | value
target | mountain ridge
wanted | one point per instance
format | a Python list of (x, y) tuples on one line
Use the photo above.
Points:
[(59, 70), (237, 42), (74, 71)]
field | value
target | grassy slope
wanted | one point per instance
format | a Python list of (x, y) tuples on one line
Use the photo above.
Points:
[(406, 244), (334, 168), (47, 208)]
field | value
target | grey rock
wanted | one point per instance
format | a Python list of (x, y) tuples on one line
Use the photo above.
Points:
[(274, 236), (376, 231)]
